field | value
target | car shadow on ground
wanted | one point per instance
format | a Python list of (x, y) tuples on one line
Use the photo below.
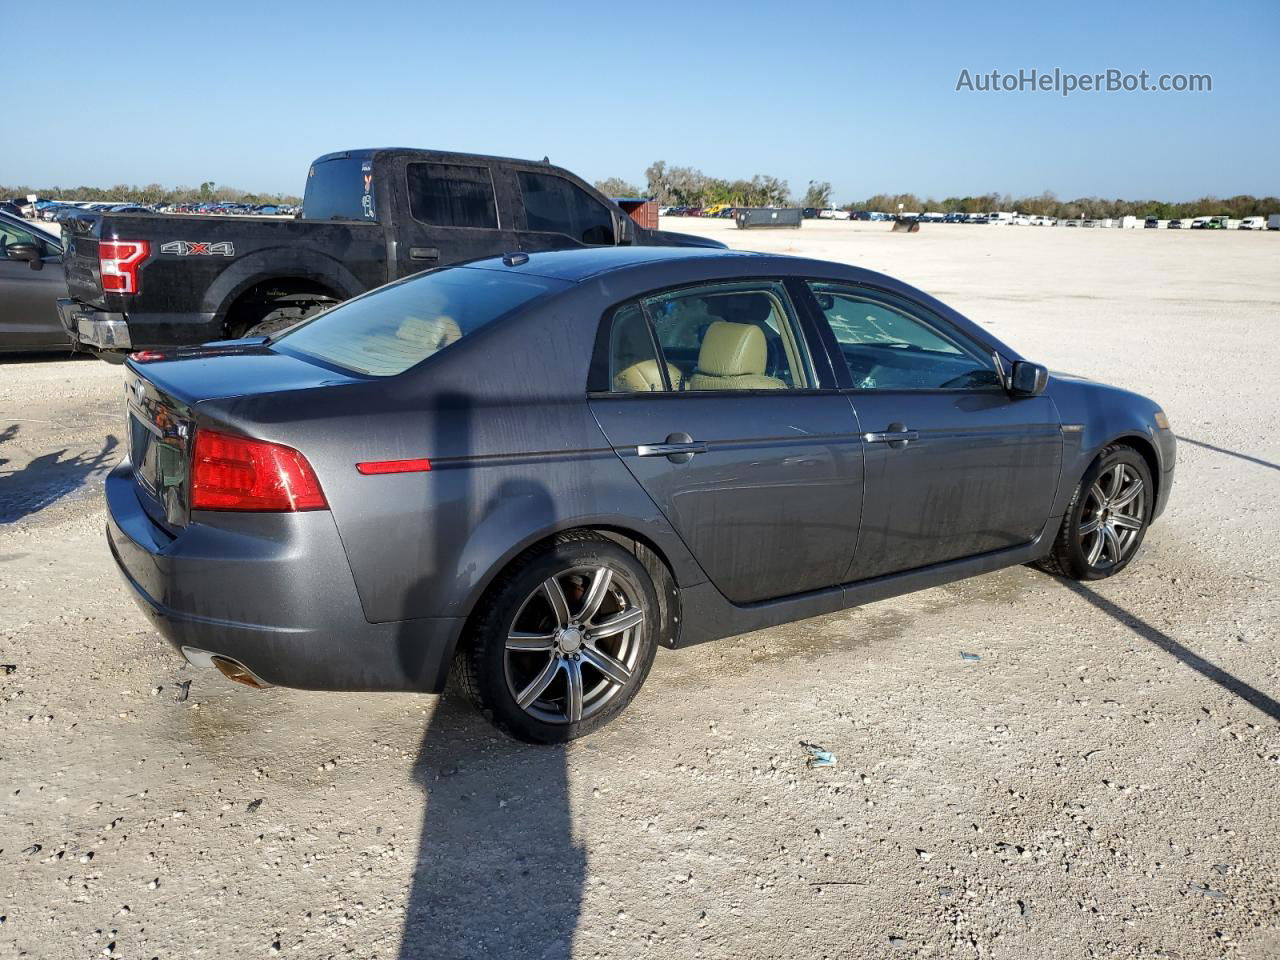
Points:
[(1205, 668), (1230, 453), (46, 478), (498, 872)]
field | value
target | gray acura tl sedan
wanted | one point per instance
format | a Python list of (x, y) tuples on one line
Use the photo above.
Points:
[(535, 469)]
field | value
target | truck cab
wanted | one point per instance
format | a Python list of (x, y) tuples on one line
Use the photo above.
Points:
[(151, 281)]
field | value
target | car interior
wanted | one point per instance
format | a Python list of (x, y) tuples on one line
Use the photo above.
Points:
[(710, 339)]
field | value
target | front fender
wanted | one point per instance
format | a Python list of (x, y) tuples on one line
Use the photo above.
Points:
[(1094, 416)]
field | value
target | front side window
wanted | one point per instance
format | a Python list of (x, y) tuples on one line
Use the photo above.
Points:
[(451, 195), (392, 329), (728, 336), (554, 205), (888, 347), (11, 234)]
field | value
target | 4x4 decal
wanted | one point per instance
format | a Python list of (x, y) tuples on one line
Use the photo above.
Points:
[(189, 248)]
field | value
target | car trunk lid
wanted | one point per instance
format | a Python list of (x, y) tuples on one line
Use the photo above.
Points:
[(165, 393)]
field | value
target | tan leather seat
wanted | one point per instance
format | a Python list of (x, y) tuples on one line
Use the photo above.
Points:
[(644, 377), (733, 357), (429, 334)]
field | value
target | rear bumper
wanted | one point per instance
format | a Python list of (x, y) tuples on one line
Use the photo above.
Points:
[(94, 327), (106, 330), (273, 592)]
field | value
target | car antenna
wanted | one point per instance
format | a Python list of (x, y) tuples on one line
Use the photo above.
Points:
[(515, 259)]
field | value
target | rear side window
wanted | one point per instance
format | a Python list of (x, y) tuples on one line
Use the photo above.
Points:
[(339, 189), (554, 205), (451, 195), (390, 330)]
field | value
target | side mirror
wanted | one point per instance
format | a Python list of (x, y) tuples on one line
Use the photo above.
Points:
[(626, 231), (1028, 379), (31, 252)]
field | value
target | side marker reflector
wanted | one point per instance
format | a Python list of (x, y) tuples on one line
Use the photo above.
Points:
[(374, 467)]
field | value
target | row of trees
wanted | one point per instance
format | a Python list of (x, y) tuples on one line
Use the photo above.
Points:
[(1048, 205), (207, 192), (688, 186)]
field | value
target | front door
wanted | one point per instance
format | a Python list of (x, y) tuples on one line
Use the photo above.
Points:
[(955, 466), (453, 215), (709, 400), (28, 298)]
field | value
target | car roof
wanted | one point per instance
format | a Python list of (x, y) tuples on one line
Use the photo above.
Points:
[(578, 265)]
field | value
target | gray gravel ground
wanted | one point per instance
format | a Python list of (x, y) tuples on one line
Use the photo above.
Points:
[(1101, 783)]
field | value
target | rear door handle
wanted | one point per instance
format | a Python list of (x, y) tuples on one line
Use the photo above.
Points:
[(424, 253), (897, 436), (678, 448)]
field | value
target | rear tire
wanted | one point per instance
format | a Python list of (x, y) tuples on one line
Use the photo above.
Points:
[(1107, 518), (563, 641)]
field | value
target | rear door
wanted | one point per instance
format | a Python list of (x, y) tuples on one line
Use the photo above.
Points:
[(710, 397), (449, 213), (955, 466)]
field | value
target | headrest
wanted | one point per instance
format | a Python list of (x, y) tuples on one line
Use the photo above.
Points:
[(732, 350)]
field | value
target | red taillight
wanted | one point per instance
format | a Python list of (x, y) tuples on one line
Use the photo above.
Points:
[(236, 473), (374, 467), (118, 262)]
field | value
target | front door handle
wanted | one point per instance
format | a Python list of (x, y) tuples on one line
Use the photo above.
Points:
[(678, 448), (897, 436)]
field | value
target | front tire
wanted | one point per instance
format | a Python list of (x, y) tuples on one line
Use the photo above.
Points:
[(1107, 519), (563, 640)]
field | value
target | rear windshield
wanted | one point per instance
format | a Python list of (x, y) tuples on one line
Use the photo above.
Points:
[(339, 189), (390, 330)]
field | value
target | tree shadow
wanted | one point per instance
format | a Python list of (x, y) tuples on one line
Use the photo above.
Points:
[(497, 872), (48, 477), (1249, 694), (1230, 453)]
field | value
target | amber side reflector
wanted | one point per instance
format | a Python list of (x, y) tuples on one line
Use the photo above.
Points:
[(374, 467)]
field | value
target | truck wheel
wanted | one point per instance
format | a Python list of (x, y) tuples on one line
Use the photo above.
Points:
[(563, 641), (281, 319)]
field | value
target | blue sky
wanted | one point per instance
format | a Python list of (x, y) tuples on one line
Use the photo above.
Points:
[(860, 94)]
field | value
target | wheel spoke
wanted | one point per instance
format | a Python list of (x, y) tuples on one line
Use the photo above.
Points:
[(1128, 495), (1099, 497), (540, 683), (573, 702), (527, 642), (1095, 551), (1117, 481), (555, 596), (1128, 523), (613, 670), (1113, 542), (1089, 527), (595, 595), (615, 625)]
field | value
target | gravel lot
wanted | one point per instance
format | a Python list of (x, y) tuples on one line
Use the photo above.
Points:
[(1101, 783)]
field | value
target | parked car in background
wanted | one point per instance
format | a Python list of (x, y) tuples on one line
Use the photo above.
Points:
[(1253, 223), (542, 467), (1273, 221), (31, 281), (139, 281)]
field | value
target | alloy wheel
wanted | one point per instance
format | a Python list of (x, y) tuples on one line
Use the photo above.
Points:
[(1114, 512), (573, 644)]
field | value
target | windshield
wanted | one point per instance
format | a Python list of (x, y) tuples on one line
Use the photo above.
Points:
[(390, 330)]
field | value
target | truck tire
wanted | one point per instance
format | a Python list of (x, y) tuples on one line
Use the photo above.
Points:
[(281, 319)]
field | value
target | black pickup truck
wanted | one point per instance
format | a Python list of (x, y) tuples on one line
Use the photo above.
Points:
[(368, 217)]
